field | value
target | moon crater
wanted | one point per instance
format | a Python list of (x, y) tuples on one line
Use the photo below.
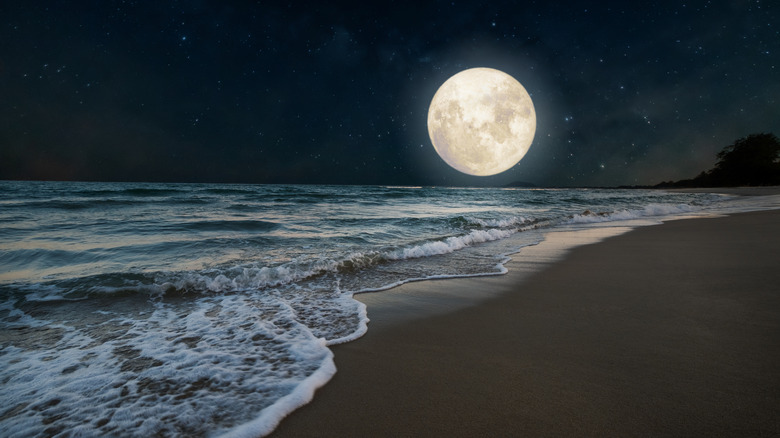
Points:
[(481, 121)]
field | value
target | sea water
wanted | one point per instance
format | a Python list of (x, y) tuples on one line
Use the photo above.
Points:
[(130, 309)]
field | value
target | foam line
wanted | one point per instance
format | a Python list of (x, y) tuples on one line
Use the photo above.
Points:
[(271, 416)]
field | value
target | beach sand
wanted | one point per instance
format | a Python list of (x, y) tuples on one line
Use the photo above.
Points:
[(667, 330)]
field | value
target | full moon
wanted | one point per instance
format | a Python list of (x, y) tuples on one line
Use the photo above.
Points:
[(481, 121)]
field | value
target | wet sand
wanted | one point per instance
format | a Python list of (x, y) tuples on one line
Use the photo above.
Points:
[(667, 330)]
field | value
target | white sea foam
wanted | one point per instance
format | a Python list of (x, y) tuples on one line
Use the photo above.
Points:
[(362, 326), (450, 244), (271, 416), (499, 223), (128, 371), (245, 277)]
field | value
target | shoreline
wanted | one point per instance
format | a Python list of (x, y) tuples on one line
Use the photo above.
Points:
[(431, 297), (664, 342)]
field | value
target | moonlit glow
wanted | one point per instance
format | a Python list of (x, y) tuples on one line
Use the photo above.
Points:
[(481, 121)]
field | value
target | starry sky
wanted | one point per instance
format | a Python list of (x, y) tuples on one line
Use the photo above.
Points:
[(337, 92)]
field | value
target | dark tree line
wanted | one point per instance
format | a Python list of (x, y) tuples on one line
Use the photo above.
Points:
[(750, 161)]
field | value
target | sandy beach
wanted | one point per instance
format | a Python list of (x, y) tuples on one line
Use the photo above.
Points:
[(667, 330)]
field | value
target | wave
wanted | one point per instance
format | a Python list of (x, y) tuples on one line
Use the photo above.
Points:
[(513, 221), (256, 277), (56, 204), (118, 190), (151, 192), (651, 210), (228, 225), (245, 207), (85, 204), (228, 191), (450, 244), (251, 276), (42, 258)]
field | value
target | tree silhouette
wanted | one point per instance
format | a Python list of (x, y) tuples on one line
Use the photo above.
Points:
[(750, 161), (753, 160)]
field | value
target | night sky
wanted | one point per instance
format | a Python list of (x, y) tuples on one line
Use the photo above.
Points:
[(337, 92)]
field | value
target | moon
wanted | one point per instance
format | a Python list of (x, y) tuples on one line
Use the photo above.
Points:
[(481, 121)]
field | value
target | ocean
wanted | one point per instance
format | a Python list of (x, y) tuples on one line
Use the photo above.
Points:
[(140, 309)]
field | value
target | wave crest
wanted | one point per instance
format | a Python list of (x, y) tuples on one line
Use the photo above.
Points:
[(651, 210)]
